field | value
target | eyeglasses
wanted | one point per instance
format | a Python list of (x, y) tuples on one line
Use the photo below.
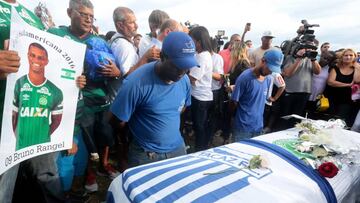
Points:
[(86, 16)]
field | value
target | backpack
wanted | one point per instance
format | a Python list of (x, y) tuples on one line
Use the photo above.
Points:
[(97, 53)]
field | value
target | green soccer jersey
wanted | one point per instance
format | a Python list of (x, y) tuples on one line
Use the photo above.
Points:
[(35, 104), (64, 31), (5, 19), (95, 93)]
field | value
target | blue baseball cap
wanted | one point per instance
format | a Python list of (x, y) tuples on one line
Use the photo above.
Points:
[(180, 49), (273, 59)]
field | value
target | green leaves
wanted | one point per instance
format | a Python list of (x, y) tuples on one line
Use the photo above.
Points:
[(255, 162)]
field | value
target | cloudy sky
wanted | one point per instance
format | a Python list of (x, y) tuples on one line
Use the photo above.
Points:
[(339, 20)]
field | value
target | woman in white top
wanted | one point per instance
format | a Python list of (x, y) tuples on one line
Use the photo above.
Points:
[(201, 79)]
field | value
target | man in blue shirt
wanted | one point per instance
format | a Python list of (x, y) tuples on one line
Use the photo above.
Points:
[(151, 100), (250, 94)]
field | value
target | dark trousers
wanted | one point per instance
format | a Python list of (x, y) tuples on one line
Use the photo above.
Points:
[(271, 115), (199, 111), (97, 132), (226, 121), (216, 113), (346, 112), (292, 103), (39, 180)]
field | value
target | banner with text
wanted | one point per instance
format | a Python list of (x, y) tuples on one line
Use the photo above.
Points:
[(41, 98)]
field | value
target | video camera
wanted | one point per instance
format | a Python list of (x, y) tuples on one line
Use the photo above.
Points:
[(189, 25), (220, 37), (304, 40)]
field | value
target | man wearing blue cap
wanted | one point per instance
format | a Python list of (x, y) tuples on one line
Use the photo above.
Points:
[(250, 93), (151, 100)]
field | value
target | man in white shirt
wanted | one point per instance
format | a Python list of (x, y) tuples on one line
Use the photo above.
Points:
[(121, 43), (123, 48), (156, 19), (257, 54), (168, 26)]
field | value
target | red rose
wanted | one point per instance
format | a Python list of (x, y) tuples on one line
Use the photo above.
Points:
[(328, 169)]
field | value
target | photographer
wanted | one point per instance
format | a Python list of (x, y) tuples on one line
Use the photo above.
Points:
[(298, 71)]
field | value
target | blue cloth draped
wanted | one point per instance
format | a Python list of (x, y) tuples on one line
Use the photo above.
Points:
[(297, 163)]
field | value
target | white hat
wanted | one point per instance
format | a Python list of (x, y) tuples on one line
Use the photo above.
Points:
[(268, 33)]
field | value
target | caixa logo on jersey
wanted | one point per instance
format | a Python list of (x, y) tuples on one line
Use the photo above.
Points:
[(235, 159), (34, 112)]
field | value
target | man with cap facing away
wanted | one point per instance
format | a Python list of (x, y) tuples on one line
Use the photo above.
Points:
[(250, 93), (152, 106), (258, 53)]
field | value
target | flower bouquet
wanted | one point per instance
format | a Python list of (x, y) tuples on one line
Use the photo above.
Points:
[(324, 145)]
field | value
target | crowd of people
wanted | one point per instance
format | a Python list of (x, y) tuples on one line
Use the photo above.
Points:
[(164, 80)]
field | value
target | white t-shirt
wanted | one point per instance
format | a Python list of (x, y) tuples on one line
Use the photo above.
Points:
[(276, 79), (203, 75), (124, 52), (144, 44), (257, 54), (218, 64), (154, 41)]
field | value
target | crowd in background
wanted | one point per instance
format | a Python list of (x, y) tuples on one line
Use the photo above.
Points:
[(153, 95)]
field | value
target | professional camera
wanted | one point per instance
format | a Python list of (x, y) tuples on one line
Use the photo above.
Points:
[(220, 37), (190, 25), (304, 40)]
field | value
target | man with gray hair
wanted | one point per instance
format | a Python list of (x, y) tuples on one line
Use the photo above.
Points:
[(168, 26), (94, 125), (122, 45), (156, 19)]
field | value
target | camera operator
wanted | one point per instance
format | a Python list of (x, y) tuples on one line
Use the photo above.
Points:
[(298, 71)]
